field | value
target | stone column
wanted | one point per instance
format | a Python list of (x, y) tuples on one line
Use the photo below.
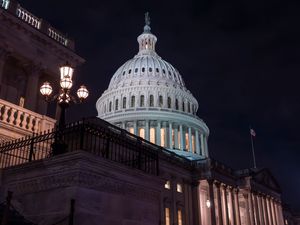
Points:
[(257, 213), (197, 142), (181, 137), (237, 207), (135, 127), (147, 131), (176, 137), (158, 127), (269, 212), (32, 86), (190, 140), (273, 212), (248, 218), (206, 146), (251, 209), (226, 205), (233, 207), (219, 196), (260, 210), (123, 125), (212, 202), (266, 219), (170, 136)]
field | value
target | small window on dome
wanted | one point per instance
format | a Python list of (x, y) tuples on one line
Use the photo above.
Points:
[(150, 69), (129, 72), (157, 70), (117, 104), (124, 102), (189, 107), (143, 69), (136, 70), (183, 106), (124, 72), (164, 71), (142, 101), (151, 100), (160, 101), (170, 74), (176, 104), (132, 101), (169, 102), (110, 105)]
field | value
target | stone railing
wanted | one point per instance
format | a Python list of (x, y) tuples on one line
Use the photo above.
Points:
[(28, 17), (43, 26), (22, 120)]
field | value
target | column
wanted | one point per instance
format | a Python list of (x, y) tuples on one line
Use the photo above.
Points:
[(260, 210), (32, 87), (123, 125), (246, 197), (266, 219), (280, 214), (166, 134), (233, 206), (220, 222), (237, 207), (225, 205), (190, 140), (197, 142), (251, 209), (212, 202), (273, 212), (205, 146), (158, 127), (147, 131), (135, 130), (181, 137), (170, 136), (176, 137), (269, 212), (257, 213)]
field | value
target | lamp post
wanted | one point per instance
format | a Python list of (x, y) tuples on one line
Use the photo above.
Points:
[(64, 99)]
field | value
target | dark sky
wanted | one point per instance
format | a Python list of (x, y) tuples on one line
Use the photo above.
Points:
[(240, 59)]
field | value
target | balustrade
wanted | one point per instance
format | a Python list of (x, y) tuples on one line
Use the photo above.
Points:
[(4, 3), (28, 17), (53, 33), (24, 119)]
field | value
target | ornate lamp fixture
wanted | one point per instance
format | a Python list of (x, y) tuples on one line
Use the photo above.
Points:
[(64, 98)]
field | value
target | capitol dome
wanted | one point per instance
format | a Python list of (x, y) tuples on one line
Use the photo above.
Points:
[(148, 97)]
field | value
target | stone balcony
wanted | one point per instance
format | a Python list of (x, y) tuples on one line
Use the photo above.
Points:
[(43, 26), (17, 122)]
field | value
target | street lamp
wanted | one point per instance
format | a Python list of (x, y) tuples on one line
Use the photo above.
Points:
[(64, 98)]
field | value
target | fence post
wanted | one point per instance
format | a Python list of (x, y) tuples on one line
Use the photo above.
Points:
[(31, 148), (72, 209), (5, 218)]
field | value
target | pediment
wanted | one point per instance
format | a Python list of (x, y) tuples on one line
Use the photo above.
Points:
[(265, 178)]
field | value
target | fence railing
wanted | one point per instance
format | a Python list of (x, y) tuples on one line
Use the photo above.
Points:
[(94, 136)]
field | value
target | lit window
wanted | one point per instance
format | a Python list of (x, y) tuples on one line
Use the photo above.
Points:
[(179, 215), (152, 135), (168, 185), (167, 216), (117, 104), (131, 130), (132, 101), (142, 101), (193, 143), (179, 188), (142, 133), (124, 103), (179, 142), (161, 101), (162, 137), (187, 143), (169, 102), (151, 100)]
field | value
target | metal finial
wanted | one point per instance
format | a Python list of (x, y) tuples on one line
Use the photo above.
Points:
[(147, 27)]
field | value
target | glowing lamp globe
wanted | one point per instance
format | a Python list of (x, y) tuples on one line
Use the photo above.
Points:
[(66, 71), (208, 204), (82, 92), (46, 89), (66, 83)]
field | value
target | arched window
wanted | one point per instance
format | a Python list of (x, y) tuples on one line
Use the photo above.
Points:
[(176, 104), (117, 104), (142, 101), (169, 102), (183, 106), (160, 100), (151, 100), (189, 107), (132, 104), (124, 102), (110, 105)]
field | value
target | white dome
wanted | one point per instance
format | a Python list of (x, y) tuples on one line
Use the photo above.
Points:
[(147, 96)]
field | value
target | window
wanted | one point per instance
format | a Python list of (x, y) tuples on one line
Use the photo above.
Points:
[(150, 69), (193, 144), (183, 106), (189, 107), (142, 133), (152, 135), (157, 70), (136, 70), (129, 72), (179, 215), (132, 104), (179, 188), (143, 69), (187, 143), (142, 101), (176, 104), (117, 104), (124, 102), (169, 102), (110, 104), (168, 185), (179, 142), (167, 216), (161, 101), (151, 101), (131, 130)]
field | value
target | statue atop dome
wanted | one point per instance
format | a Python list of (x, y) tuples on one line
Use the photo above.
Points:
[(147, 28)]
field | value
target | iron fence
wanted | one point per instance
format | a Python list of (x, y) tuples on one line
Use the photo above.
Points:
[(91, 135)]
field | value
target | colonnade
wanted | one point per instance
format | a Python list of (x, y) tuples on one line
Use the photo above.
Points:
[(224, 204), (170, 135)]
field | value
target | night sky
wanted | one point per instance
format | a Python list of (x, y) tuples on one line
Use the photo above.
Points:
[(240, 59)]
